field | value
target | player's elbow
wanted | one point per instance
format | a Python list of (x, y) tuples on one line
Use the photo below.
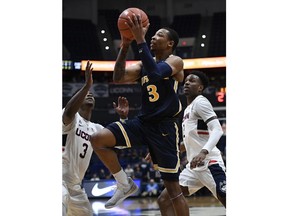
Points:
[(215, 128), (218, 132)]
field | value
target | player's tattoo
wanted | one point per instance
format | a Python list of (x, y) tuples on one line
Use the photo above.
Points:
[(119, 68)]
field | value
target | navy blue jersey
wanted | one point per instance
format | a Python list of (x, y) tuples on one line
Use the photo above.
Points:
[(159, 98)]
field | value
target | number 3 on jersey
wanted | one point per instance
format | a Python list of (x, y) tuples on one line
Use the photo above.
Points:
[(152, 91), (85, 147)]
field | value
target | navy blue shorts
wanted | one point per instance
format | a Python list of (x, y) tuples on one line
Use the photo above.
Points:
[(162, 139)]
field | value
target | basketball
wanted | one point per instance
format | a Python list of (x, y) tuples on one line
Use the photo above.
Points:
[(123, 17)]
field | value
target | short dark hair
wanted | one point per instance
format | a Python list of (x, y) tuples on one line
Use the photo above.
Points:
[(203, 77), (173, 35)]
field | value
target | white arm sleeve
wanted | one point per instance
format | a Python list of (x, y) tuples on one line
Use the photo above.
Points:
[(215, 133)]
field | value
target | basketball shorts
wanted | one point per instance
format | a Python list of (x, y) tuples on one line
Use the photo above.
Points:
[(65, 195), (162, 139), (214, 178), (75, 201)]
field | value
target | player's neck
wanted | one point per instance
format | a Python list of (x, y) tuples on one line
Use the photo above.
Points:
[(85, 114), (162, 56), (190, 99)]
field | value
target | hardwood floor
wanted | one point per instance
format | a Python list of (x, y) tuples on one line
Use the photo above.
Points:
[(147, 206)]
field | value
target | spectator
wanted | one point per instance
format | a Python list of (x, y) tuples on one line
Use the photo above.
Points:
[(95, 177), (102, 174), (144, 166), (151, 189), (129, 171), (138, 173), (157, 176)]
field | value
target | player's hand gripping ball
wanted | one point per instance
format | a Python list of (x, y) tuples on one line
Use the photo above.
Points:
[(123, 17)]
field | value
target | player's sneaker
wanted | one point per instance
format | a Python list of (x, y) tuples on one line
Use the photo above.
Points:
[(120, 194)]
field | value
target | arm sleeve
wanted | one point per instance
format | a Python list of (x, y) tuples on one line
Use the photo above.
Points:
[(154, 71), (215, 133), (206, 112)]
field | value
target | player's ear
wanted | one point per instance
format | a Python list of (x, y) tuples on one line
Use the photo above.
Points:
[(200, 88), (170, 43)]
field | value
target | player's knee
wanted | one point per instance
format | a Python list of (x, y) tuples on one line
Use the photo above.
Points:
[(160, 200), (163, 199), (96, 140), (101, 139)]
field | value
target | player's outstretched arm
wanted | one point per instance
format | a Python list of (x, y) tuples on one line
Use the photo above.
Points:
[(76, 101)]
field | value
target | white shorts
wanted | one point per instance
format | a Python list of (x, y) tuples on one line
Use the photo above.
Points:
[(196, 179), (65, 195), (75, 201)]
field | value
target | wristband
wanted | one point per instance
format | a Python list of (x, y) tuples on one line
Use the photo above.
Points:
[(204, 151)]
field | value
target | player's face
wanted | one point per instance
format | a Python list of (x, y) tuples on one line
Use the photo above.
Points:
[(192, 85), (160, 40), (89, 99)]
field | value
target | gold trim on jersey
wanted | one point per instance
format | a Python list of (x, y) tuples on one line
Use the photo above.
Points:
[(169, 170), (124, 134), (177, 137), (179, 110), (175, 86), (175, 89)]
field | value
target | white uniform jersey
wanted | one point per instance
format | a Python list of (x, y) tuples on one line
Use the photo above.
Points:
[(78, 149), (195, 131)]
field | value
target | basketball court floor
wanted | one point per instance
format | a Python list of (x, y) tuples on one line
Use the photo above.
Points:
[(147, 206)]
